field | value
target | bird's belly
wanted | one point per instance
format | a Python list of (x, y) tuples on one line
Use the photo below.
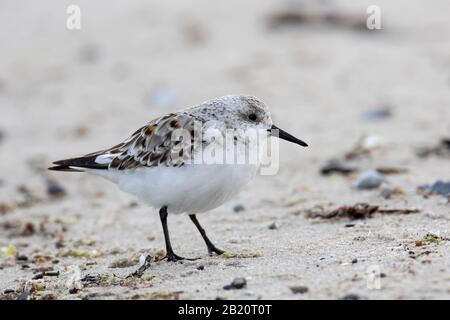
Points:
[(188, 189)]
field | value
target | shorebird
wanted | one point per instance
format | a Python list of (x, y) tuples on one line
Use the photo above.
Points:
[(163, 163)]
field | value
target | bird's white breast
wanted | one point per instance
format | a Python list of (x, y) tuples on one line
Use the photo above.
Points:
[(192, 188)]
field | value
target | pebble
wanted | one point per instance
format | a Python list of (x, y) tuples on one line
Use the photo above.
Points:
[(201, 267), (22, 257), (335, 166), (299, 289), (55, 190), (440, 187), (6, 291), (375, 114), (238, 208), (355, 261), (273, 226), (238, 283), (40, 275), (370, 180), (73, 291)]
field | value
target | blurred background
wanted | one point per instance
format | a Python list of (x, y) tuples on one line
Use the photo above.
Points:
[(325, 77)]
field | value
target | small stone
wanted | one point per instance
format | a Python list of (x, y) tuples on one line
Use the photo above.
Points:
[(375, 114), (22, 257), (335, 166), (355, 261), (238, 208), (273, 226), (441, 187), (370, 180), (39, 275), (238, 283), (7, 291), (51, 273), (55, 190), (299, 289), (201, 267), (349, 225), (73, 291)]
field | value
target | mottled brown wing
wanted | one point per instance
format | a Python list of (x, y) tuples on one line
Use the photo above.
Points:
[(152, 145)]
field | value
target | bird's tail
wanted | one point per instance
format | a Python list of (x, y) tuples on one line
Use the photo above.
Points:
[(78, 164)]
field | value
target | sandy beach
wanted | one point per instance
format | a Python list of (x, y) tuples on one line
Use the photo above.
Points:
[(373, 99)]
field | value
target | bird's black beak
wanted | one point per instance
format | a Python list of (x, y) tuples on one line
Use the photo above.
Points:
[(277, 132)]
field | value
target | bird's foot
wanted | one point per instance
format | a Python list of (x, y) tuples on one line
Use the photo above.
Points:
[(171, 256), (213, 249)]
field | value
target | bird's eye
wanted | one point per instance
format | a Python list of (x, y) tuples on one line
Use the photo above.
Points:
[(252, 117)]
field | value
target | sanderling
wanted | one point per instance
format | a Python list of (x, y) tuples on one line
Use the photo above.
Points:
[(165, 165)]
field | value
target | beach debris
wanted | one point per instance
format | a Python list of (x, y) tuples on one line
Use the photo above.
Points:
[(439, 187), (391, 170), (8, 251), (238, 208), (238, 283), (144, 264), (299, 289), (5, 208), (442, 149), (26, 229), (55, 190), (336, 166), (94, 280), (430, 238), (364, 147), (355, 212), (388, 193), (377, 114), (75, 253), (370, 180), (316, 16)]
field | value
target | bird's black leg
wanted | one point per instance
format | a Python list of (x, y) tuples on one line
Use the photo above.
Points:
[(170, 255), (211, 247)]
